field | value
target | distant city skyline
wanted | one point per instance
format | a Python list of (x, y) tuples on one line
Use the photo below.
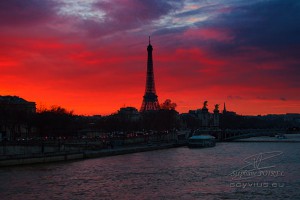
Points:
[(89, 56)]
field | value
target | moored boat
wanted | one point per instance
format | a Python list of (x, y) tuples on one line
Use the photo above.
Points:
[(200, 141)]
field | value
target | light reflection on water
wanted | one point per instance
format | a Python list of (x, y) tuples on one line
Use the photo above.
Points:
[(178, 173)]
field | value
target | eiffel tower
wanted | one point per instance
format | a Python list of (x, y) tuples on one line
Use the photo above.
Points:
[(150, 101)]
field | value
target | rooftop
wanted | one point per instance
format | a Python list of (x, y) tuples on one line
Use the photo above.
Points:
[(12, 99)]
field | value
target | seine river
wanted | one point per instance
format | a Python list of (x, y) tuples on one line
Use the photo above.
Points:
[(227, 171)]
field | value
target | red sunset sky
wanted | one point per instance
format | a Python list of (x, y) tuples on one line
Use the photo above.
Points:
[(90, 56)]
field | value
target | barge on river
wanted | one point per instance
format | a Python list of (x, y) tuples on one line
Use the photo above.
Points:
[(201, 141)]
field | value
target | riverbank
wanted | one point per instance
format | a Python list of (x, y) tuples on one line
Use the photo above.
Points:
[(86, 154), (290, 138)]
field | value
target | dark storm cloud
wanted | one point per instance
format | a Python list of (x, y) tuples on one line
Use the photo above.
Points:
[(265, 42), (270, 25), (126, 15), (134, 10), (203, 11), (26, 12), (164, 31)]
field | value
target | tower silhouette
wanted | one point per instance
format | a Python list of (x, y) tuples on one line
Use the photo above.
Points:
[(150, 101), (224, 109)]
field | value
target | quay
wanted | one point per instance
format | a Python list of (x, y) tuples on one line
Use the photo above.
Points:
[(85, 154), (37, 152)]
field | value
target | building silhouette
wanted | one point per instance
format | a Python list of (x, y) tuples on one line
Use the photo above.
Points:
[(150, 100), (15, 117), (129, 113), (207, 119), (15, 103)]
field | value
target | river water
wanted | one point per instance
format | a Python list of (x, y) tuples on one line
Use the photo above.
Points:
[(178, 173)]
